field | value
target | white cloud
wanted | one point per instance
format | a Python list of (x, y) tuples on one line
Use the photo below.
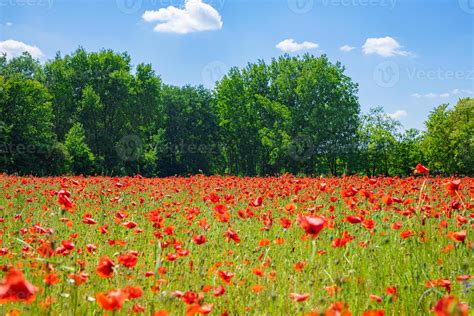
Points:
[(346, 48), (291, 46), (431, 95), (444, 95), (384, 46), (15, 48), (9, 24), (398, 114), (196, 16), (462, 91)]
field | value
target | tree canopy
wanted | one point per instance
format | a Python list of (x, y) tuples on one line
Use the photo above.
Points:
[(96, 113)]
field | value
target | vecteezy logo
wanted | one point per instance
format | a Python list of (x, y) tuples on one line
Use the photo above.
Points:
[(387, 74), (467, 6), (27, 3), (129, 148), (302, 148), (213, 72), (300, 6), (129, 6)]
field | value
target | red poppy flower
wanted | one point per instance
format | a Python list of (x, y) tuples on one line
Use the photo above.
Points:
[(256, 288), (311, 224), (445, 283), (257, 201), (338, 309), (51, 278), (225, 276), (190, 298), (263, 242), (129, 224), (111, 300), (89, 221), (79, 278), (230, 234), (391, 290), (463, 277), (14, 288), (453, 186), (137, 308), (299, 297), (450, 306), (458, 236), (105, 268), (64, 201), (341, 242), (375, 298), (421, 169), (199, 239), (387, 200), (406, 233), (91, 248), (171, 256), (206, 309), (133, 292), (396, 225), (67, 244), (128, 259), (258, 271), (220, 290), (285, 222), (354, 219)]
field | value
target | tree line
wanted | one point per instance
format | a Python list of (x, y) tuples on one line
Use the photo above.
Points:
[(95, 113)]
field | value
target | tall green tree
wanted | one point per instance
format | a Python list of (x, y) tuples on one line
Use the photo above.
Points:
[(189, 143), (378, 141), (449, 140), (80, 159), (24, 66), (29, 143), (408, 152), (296, 114), (437, 144)]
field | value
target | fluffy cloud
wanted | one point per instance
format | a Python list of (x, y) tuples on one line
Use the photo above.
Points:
[(346, 48), (291, 46), (462, 91), (431, 95), (453, 93), (398, 114), (384, 46), (196, 16), (15, 48)]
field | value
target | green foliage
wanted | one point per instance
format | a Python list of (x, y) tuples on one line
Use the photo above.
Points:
[(296, 114), (188, 144), (28, 140), (449, 139), (80, 158), (92, 112), (378, 142), (408, 152), (24, 66)]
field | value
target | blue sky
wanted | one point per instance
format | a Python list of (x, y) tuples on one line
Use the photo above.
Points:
[(406, 55)]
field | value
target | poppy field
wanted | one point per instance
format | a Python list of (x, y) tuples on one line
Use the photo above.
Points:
[(225, 245)]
